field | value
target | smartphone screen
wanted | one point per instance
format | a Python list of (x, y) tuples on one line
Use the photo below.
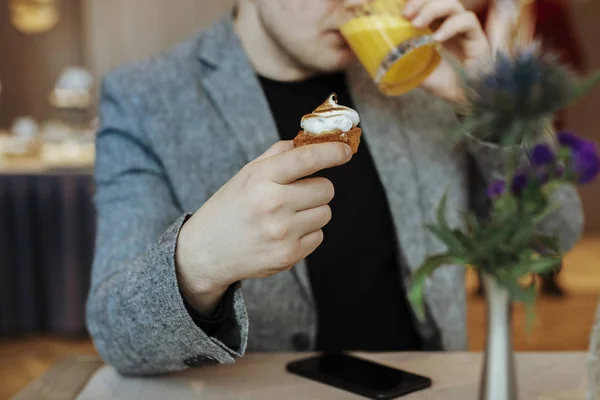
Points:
[(359, 376)]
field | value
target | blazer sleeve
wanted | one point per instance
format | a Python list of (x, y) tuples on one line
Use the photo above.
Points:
[(566, 222), (135, 312)]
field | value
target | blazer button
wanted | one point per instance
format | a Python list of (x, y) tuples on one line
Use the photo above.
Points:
[(301, 341)]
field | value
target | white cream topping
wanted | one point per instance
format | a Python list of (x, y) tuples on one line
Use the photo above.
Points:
[(330, 117)]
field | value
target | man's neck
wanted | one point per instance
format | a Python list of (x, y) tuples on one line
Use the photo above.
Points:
[(265, 55)]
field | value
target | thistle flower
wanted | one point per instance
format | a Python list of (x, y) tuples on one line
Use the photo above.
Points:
[(568, 139), (586, 163), (522, 85), (519, 183), (496, 189), (542, 154), (518, 94)]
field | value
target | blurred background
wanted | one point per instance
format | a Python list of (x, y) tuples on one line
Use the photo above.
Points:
[(52, 56)]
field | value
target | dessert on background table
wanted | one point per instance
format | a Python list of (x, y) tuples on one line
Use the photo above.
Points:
[(330, 122)]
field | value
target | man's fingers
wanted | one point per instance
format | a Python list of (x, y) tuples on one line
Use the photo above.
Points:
[(413, 7), (461, 24), (278, 148), (308, 221), (292, 165), (434, 10), (309, 243), (310, 193)]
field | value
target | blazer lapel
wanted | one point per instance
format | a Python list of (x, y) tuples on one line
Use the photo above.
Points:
[(232, 85)]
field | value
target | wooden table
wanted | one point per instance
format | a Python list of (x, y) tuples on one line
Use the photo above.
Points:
[(543, 376)]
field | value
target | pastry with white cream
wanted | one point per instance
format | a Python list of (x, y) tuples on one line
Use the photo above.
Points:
[(330, 122)]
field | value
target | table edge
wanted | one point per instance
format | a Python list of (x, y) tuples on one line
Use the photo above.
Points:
[(78, 368)]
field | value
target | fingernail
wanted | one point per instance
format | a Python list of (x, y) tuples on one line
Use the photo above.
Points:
[(438, 36), (408, 9), (418, 22), (348, 151)]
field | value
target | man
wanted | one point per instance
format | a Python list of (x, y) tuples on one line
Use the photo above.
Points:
[(195, 201)]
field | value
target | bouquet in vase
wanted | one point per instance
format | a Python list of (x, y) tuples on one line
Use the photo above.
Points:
[(512, 105)]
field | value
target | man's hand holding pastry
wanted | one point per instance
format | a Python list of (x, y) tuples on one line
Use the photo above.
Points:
[(263, 221)]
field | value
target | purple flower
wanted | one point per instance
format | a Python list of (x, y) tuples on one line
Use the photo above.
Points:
[(496, 189), (586, 163), (519, 183), (568, 139), (542, 155)]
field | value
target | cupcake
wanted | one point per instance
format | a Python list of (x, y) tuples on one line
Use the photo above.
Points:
[(330, 122)]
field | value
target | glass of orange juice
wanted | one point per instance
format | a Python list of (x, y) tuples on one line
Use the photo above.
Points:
[(398, 56)]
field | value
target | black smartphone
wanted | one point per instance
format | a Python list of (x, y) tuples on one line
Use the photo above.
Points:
[(358, 376)]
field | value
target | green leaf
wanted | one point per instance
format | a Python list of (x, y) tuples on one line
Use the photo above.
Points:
[(472, 223), (552, 187), (530, 308), (538, 266), (543, 264), (447, 237), (523, 233), (521, 267), (417, 287), (464, 239), (552, 243), (496, 235), (469, 126), (522, 294), (563, 154), (547, 211), (530, 316), (505, 209), (443, 231), (441, 211)]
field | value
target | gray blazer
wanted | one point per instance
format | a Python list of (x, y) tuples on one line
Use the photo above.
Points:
[(175, 128)]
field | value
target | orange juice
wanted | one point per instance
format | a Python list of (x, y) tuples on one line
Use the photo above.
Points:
[(398, 56)]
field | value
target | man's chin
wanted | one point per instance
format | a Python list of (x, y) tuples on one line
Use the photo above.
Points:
[(339, 60), (344, 57)]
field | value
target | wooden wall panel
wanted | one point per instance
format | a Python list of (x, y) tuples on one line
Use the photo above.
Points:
[(120, 31), (584, 117), (30, 64)]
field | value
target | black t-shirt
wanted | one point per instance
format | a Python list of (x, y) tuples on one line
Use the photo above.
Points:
[(354, 274)]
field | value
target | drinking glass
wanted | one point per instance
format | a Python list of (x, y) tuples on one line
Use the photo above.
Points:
[(398, 56)]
